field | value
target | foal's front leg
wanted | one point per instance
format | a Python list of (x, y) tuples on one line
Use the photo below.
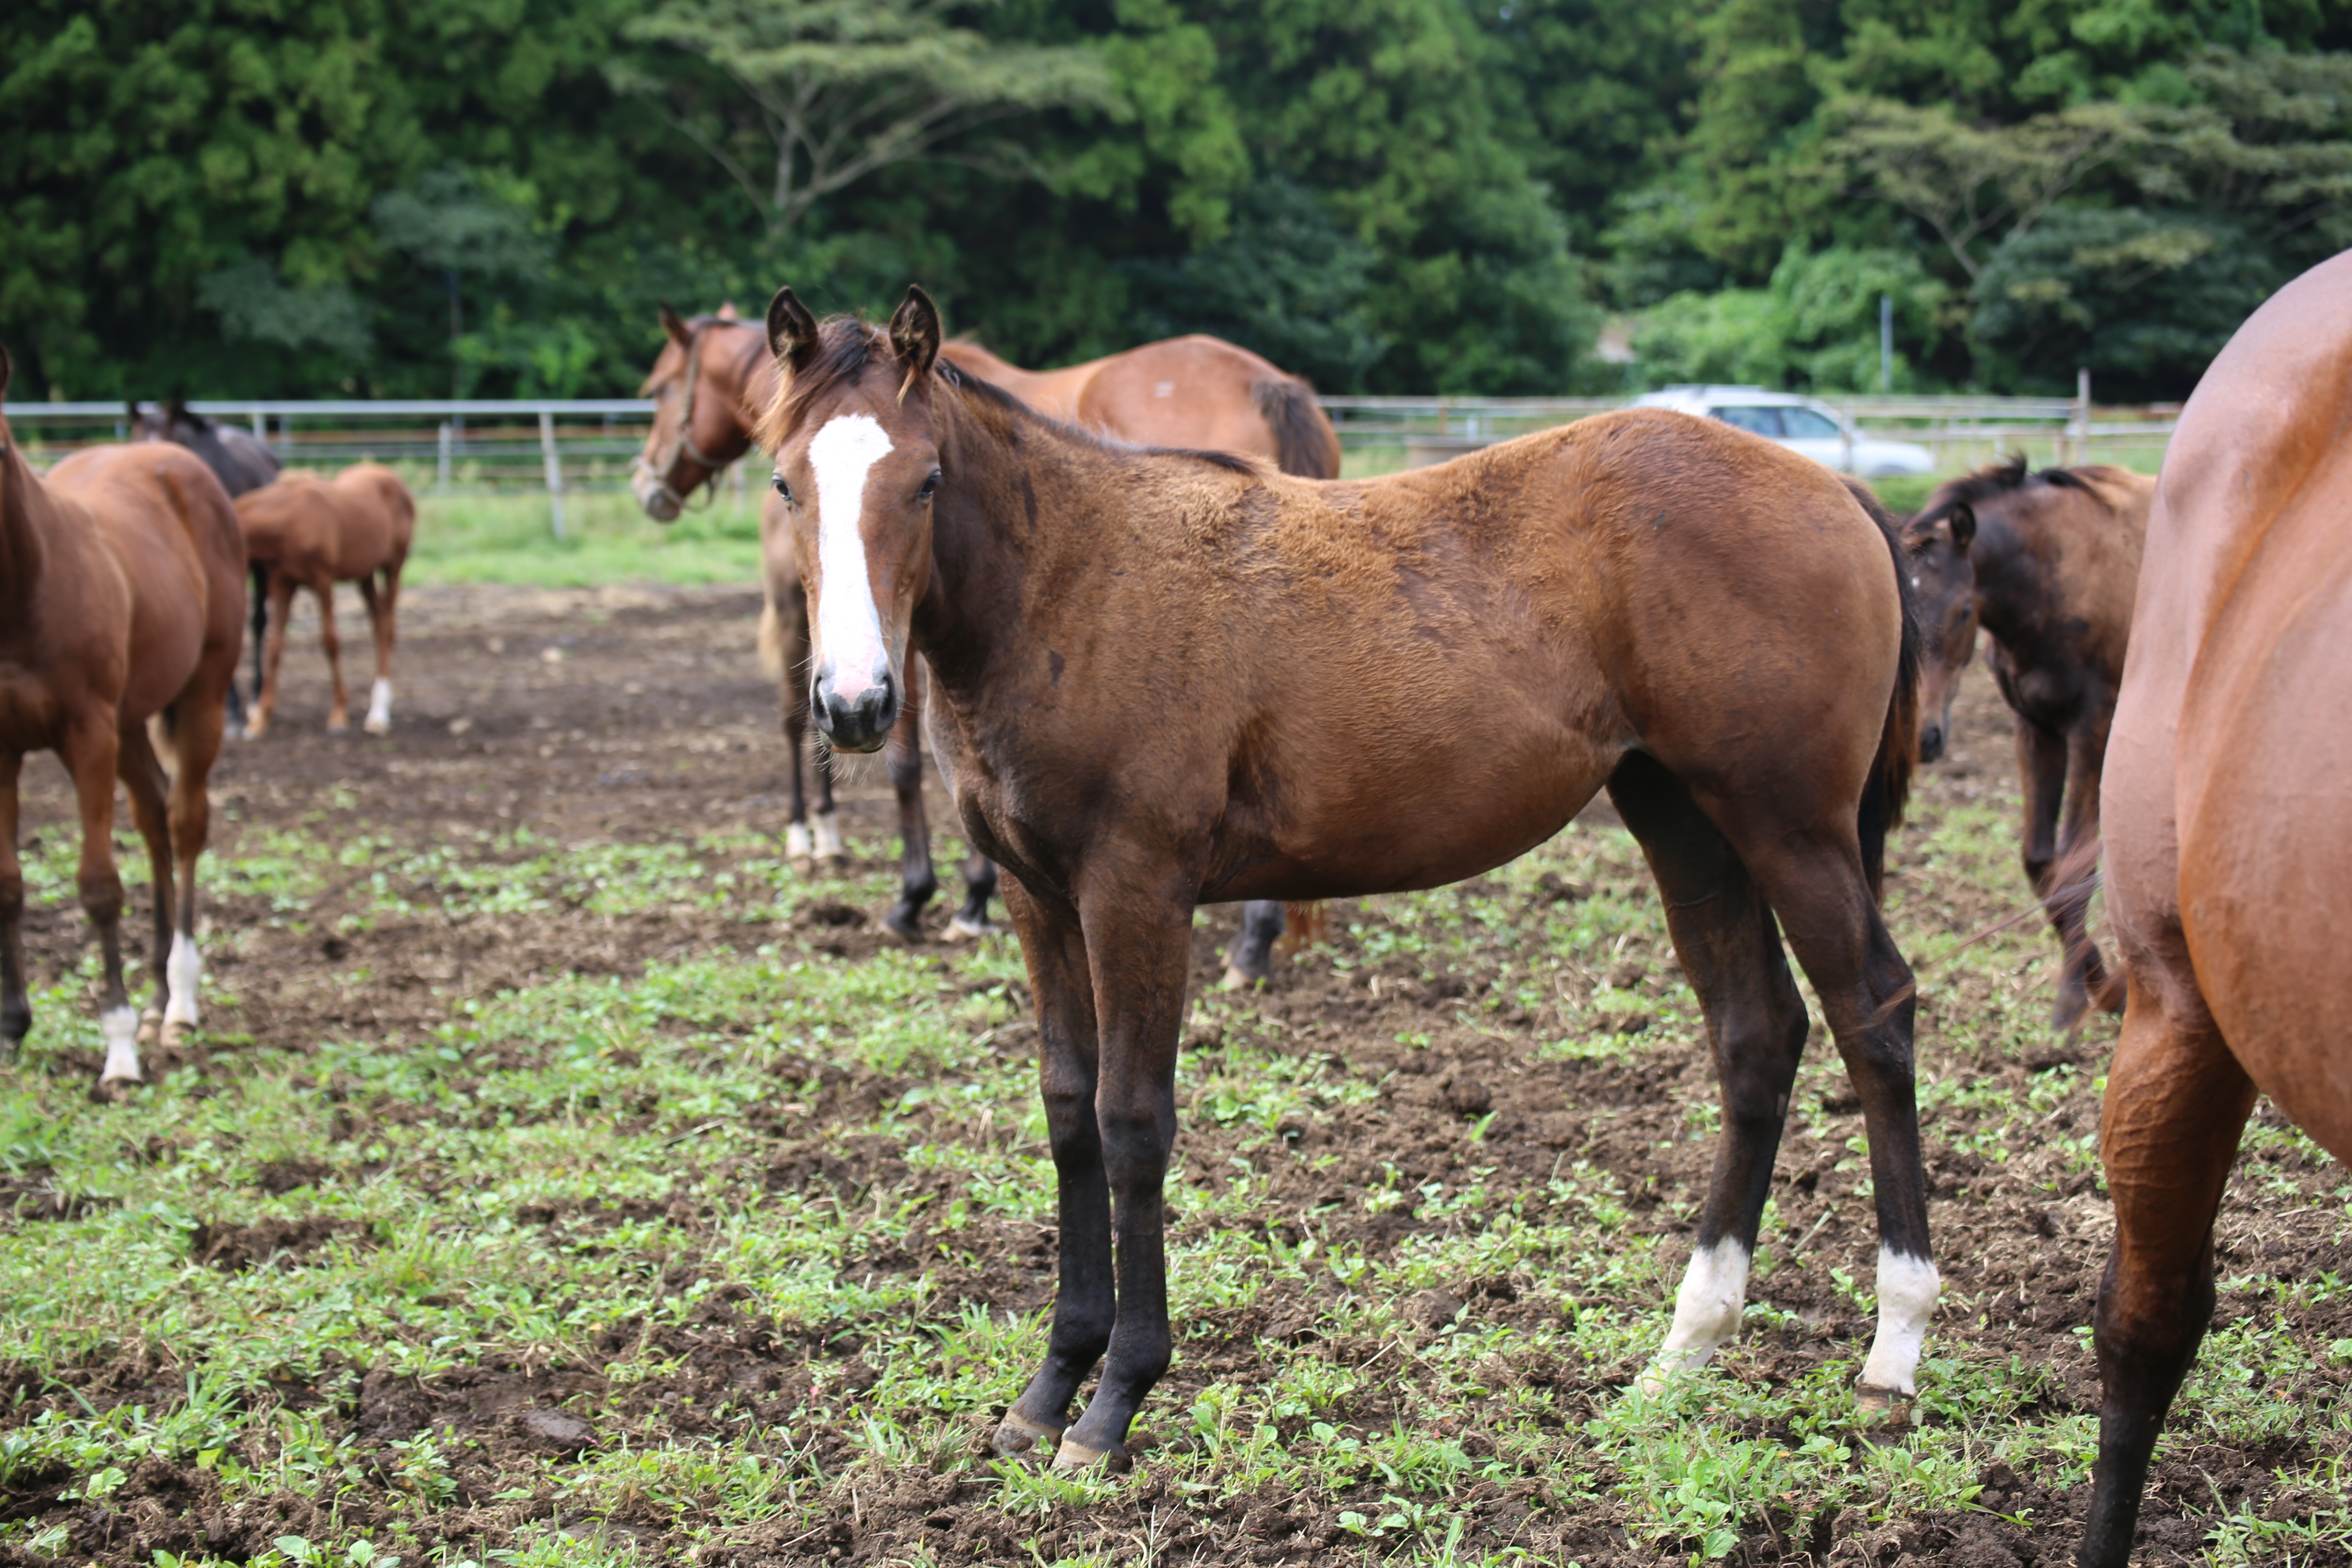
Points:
[(15, 1007)]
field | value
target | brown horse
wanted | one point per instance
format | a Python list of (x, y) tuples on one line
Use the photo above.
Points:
[(1161, 678), (715, 372), (2046, 564), (305, 531), (122, 599), (242, 461), (2228, 841)]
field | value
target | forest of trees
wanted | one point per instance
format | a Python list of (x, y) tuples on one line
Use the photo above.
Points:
[(413, 197)]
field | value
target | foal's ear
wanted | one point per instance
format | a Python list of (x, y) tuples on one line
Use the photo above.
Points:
[(1964, 527), (914, 333), (675, 326), (791, 331)]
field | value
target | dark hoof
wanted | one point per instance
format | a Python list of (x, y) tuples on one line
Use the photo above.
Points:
[(904, 922), (1017, 1435)]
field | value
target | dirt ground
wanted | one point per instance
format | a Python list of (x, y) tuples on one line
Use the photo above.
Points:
[(638, 715)]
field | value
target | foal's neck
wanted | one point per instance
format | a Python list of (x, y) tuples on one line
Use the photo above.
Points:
[(21, 554)]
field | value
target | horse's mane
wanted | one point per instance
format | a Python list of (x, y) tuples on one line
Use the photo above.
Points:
[(845, 345), (2011, 476)]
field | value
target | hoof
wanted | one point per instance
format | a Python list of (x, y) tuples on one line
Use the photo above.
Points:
[(338, 726), (151, 1027), (963, 928), (174, 1034), (377, 726), (1239, 980), (114, 1091), (1074, 1457), (1886, 1409), (1017, 1435), (904, 923)]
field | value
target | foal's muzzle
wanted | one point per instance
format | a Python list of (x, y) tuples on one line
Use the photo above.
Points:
[(858, 720), (660, 502), (1931, 742)]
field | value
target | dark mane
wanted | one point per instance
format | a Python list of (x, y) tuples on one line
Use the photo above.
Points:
[(1996, 480), (847, 345)]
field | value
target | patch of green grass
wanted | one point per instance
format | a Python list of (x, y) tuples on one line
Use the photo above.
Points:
[(608, 539)]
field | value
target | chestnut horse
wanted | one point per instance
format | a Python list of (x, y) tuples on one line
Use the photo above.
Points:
[(2046, 564), (121, 604), (715, 372), (242, 461), (1161, 679), (305, 531), (2228, 829)]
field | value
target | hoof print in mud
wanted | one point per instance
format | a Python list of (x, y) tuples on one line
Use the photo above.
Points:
[(556, 1432)]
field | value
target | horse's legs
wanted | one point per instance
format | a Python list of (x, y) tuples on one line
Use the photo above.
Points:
[(339, 715), (89, 752), (2042, 773), (917, 881), (2176, 1102), (1067, 1063), (384, 620), (144, 782), (1813, 879), (272, 658), (260, 608), (195, 745), (1250, 958), (2084, 980), (1724, 934), (1139, 946), (979, 887), (16, 1004)]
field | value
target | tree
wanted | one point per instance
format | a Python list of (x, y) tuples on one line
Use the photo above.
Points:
[(843, 88), (452, 221)]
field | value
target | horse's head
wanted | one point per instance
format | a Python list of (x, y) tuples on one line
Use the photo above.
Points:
[(855, 436), (698, 421), (1944, 598)]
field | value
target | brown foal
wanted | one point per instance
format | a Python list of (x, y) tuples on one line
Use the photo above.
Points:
[(2047, 564), (2227, 837), (122, 599), (305, 531), (1161, 678)]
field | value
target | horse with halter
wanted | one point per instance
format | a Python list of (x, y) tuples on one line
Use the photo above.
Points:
[(242, 461), (2228, 839), (122, 599), (715, 372), (2046, 564), (305, 531), (1161, 679)]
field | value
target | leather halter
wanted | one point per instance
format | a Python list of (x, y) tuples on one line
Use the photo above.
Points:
[(683, 446)]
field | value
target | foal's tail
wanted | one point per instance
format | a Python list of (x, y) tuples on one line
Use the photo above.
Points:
[(1889, 789), (1304, 442)]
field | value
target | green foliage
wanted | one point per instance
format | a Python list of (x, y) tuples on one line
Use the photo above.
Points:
[(1813, 326)]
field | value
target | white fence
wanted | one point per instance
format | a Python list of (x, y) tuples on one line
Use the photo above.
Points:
[(486, 446)]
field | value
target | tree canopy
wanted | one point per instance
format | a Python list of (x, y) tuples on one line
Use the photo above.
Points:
[(233, 197)]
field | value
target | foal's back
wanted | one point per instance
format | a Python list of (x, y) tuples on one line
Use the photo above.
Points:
[(317, 529)]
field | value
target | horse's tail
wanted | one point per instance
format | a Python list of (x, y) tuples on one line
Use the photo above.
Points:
[(259, 609), (1304, 442), (162, 726), (771, 638), (1889, 789)]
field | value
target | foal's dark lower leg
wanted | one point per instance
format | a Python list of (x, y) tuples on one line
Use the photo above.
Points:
[(16, 1004), (917, 881), (1724, 934), (1250, 958), (979, 887)]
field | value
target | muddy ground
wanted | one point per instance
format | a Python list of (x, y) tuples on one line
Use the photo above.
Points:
[(637, 715)]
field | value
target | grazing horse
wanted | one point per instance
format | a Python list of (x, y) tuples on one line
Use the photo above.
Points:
[(305, 531), (121, 603), (715, 372), (2227, 837), (1161, 679), (242, 461), (2046, 564)]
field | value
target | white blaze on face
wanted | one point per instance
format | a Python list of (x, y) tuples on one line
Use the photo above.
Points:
[(1908, 1287), (181, 970), (848, 626), (1707, 1311), (120, 1029)]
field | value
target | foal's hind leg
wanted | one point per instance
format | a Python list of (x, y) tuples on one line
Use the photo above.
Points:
[(15, 1006), (979, 885), (271, 658), (339, 716), (144, 782), (1250, 960), (90, 747), (917, 881), (195, 742), (383, 620), (2177, 1103), (1724, 934)]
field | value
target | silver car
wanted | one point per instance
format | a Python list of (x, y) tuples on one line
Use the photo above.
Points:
[(1801, 424)]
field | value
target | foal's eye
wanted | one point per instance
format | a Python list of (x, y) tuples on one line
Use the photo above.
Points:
[(783, 490), (930, 486)]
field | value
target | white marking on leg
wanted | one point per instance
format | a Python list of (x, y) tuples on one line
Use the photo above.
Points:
[(120, 1026), (798, 844), (1706, 1311), (1908, 1287), (183, 970), (379, 713), (848, 627), (828, 836)]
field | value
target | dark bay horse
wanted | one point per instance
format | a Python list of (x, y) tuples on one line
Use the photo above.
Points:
[(2046, 564), (306, 531), (121, 603), (714, 373), (2227, 837), (242, 461), (1164, 677)]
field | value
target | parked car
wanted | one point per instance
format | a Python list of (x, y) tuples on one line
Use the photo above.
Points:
[(1800, 424)]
